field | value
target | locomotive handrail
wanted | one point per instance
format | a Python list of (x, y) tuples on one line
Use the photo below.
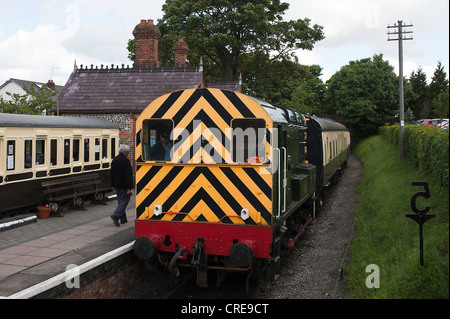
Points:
[(284, 178), (279, 178)]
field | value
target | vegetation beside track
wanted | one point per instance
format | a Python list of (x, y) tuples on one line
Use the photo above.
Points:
[(386, 238)]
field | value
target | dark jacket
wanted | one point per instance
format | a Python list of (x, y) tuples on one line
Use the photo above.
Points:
[(121, 173), (157, 152)]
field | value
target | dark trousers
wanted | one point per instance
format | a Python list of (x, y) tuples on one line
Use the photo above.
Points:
[(122, 201)]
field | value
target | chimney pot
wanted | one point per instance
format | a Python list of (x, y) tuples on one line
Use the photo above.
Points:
[(180, 51), (150, 21), (51, 85), (143, 21)]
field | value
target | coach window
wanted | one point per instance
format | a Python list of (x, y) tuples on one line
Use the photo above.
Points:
[(76, 150), (86, 149), (113, 147), (104, 148), (249, 140), (10, 155), (40, 152), (66, 151), (53, 152), (97, 149), (28, 154), (156, 143)]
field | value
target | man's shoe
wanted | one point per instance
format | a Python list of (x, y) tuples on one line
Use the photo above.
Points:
[(116, 222), (123, 222)]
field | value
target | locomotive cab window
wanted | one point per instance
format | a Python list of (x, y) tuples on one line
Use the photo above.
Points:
[(249, 140), (156, 143)]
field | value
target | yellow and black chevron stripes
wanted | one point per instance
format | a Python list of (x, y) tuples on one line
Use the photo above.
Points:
[(200, 193), (205, 114), (202, 183)]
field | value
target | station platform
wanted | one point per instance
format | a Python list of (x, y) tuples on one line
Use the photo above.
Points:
[(37, 251)]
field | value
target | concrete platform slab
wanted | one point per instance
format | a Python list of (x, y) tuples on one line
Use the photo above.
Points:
[(38, 251)]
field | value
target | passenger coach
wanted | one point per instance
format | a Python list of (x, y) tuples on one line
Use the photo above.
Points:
[(35, 149), (328, 149)]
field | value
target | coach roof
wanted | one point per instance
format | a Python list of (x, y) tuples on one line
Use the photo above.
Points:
[(326, 124), (22, 120)]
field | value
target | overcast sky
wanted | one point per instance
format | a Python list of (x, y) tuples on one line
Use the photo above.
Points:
[(39, 40)]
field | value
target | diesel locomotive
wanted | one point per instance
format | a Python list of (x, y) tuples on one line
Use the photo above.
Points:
[(238, 184)]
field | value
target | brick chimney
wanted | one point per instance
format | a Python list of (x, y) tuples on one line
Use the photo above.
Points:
[(180, 50), (51, 85), (147, 36)]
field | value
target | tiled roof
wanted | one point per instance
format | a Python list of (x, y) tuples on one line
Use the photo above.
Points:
[(20, 83), (122, 90)]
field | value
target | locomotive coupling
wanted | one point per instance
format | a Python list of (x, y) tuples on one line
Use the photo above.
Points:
[(144, 248)]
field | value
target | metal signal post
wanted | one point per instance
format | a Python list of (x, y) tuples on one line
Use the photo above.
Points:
[(420, 215), (399, 33)]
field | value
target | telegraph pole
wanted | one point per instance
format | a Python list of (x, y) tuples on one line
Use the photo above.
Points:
[(399, 33)]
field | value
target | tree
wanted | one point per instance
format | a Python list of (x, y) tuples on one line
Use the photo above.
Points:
[(308, 97), (227, 32), (279, 80), (420, 104), (441, 104), (364, 93), (33, 102), (438, 85)]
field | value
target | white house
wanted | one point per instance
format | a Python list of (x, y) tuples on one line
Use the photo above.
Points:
[(15, 86)]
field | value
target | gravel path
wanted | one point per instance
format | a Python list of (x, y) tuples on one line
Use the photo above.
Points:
[(312, 269)]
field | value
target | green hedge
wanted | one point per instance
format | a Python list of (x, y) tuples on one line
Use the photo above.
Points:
[(426, 147)]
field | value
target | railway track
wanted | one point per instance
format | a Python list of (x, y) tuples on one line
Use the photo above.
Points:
[(161, 286)]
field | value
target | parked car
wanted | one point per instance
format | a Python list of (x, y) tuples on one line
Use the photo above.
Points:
[(418, 122), (433, 122), (444, 124)]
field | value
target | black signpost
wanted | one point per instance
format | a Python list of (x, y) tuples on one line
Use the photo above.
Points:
[(420, 215)]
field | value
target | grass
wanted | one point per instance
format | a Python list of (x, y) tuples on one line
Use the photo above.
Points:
[(386, 238)]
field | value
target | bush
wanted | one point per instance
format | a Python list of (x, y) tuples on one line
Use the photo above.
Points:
[(425, 147)]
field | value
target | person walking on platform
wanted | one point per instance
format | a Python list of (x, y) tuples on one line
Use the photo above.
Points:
[(122, 182)]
